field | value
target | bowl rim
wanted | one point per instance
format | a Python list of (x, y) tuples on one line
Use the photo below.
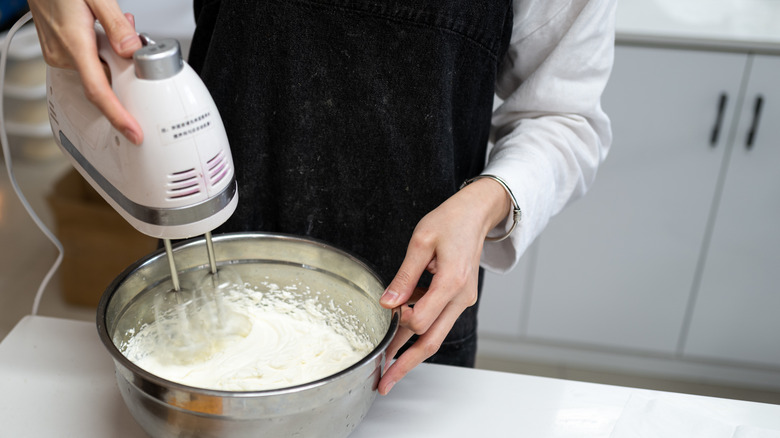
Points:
[(117, 355)]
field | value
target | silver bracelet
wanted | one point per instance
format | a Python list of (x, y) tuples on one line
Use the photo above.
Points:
[(516, 213)]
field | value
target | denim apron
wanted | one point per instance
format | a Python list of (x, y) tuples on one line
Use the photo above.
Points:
[(349, 120)]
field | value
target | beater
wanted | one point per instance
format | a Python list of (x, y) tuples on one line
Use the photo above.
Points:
[(180, 181)]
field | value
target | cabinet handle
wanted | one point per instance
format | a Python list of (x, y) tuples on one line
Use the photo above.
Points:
[(751, 136), (718, 119)]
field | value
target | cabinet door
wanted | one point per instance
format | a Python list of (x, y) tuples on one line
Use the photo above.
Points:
[(503, 306), (615, 269), (737, 311)]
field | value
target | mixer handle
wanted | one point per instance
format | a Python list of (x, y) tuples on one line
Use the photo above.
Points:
[(117, 65)]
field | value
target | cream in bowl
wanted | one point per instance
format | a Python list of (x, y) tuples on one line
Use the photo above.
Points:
[(286, 338), (304, 349)]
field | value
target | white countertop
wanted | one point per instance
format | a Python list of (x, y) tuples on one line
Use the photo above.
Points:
[(745, 25), (56, 380)]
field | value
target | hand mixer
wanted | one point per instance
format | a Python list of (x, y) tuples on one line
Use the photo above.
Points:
[(180, 181)]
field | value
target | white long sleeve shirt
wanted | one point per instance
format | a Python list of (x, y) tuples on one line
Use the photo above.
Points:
[(550, 134)]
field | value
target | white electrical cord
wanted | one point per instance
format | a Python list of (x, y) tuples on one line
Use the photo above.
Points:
[(7, 154)]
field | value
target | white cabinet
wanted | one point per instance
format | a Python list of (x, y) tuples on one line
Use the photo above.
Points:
[(736, 316), (671, 263), (616, 268), (504, 303)]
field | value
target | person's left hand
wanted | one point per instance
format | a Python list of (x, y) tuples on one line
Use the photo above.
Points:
[(447, 242)]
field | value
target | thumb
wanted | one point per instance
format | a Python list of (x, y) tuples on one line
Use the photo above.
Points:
[(119, 27)]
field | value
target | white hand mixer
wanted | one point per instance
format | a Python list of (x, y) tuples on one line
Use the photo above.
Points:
[(177, 184)]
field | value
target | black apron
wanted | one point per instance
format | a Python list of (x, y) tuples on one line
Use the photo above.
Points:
[(350, 120)]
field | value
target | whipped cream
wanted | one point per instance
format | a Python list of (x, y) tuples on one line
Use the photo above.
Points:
[(284, 340)]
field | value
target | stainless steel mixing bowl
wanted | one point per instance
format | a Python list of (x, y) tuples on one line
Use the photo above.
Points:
[(329, 407)]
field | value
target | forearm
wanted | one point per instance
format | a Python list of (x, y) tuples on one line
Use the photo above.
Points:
[(550, 131)]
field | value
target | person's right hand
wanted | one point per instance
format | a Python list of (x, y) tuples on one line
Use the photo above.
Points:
[(66, 30)]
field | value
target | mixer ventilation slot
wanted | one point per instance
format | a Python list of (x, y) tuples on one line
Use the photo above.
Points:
[(182, 184), (218, 168), (53, 114)]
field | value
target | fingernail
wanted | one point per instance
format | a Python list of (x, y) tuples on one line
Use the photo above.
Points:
[(389, 297), (132, 136), (128, 42), (389, 387)]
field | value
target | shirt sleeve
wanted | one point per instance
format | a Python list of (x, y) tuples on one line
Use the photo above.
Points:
[(549, 132)]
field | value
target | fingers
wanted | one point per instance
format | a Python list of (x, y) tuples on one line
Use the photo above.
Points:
[(418, 256), (66, 32), (447, 243), (402, 336), (425, 346), (131, 18), (98, 91), (455, 283), (119, 28), (432, 317)]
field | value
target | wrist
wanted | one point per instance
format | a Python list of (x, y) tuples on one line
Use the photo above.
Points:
[(499, 202)]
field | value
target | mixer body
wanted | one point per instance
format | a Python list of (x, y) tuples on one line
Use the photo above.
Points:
[(180, 181)]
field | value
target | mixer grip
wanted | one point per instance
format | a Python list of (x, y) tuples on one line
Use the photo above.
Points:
[(117, 64)]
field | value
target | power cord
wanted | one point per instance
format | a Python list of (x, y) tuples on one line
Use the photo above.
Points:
[(8, 164)]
